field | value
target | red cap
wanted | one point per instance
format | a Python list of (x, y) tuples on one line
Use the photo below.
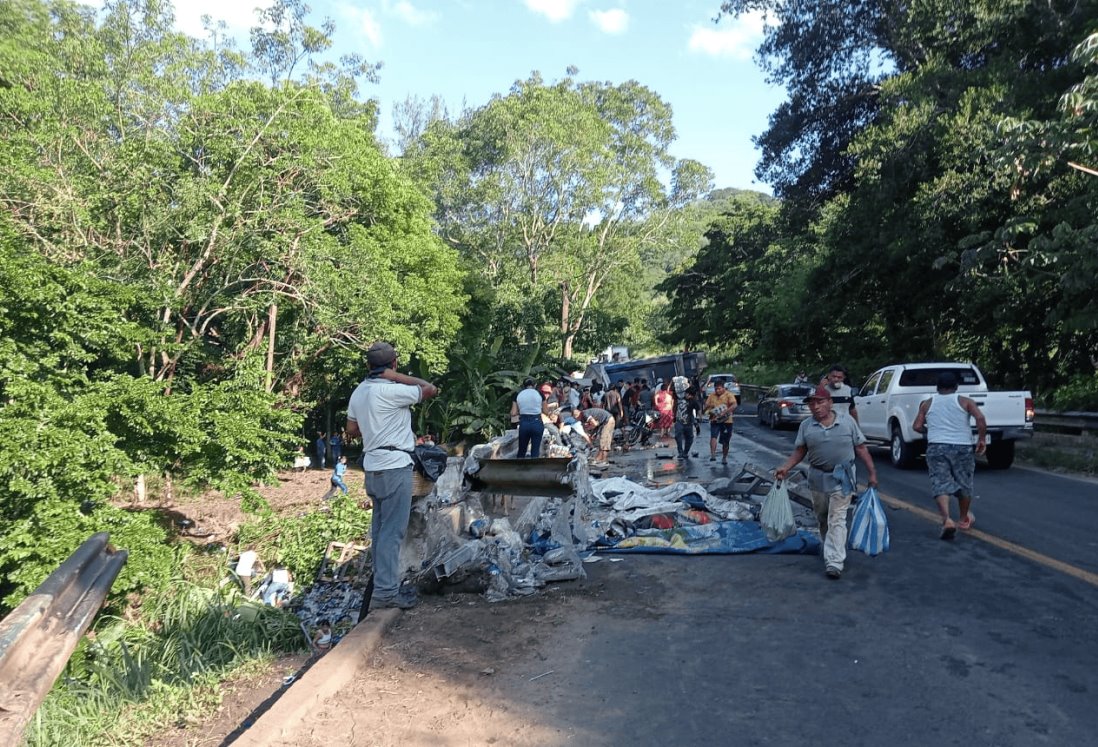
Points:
[(820, 393)]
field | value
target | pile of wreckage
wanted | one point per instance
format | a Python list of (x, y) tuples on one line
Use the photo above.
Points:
[(453, 544)]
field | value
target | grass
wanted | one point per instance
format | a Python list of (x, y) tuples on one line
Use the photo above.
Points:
[(131, 680), (1052, 458)]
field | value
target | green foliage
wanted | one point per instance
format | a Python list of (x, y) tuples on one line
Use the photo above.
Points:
[(1079, 394), (928, 209), (34, 545), (299, 542), (556, 192), (479, 405)]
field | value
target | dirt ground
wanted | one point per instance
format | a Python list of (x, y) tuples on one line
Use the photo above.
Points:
[(213, 518), (447, 673)]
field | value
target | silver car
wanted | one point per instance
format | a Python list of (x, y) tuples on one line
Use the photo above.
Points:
[(784, 404)]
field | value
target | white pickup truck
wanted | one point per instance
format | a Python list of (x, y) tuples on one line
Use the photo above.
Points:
[(889, 401)]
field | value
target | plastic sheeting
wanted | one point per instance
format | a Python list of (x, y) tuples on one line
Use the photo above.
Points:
[(459, 543)]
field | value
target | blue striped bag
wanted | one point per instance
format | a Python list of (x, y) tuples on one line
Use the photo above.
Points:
[(869, 527)]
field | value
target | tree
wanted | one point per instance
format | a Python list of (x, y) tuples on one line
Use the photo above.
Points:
[(914, 192), (553, 189)]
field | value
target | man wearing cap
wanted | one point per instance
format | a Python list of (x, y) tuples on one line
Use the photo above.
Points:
[(830, 440), (380, 411), (950, 457)]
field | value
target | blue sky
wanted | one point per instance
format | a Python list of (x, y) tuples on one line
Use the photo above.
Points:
[(467, 50)]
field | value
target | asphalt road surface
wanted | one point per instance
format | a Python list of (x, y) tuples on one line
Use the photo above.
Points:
[(971, 642), (968, 642)]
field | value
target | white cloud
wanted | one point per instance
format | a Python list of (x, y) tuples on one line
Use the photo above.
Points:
[(238, 16), (362, 21), (411, 14), (737, 39), (613, 21), (555, 10)]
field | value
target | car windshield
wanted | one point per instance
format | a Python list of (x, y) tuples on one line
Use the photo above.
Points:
[(796, 390), (723, 380)]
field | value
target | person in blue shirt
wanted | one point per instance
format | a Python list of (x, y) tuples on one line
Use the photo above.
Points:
[(320, 447), (337, 478), (335, 443)]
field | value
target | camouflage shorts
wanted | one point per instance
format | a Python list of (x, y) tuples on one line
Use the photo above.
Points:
[(951, 467)]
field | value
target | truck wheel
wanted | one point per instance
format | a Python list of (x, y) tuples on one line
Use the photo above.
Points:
[(1000, 454), (902, 453)]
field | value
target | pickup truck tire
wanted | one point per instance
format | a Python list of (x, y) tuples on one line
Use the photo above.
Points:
[(1000, 454), (901, 452)]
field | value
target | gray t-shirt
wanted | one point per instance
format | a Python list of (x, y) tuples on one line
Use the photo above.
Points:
[(383, 412), (600, 415), (831, 446)]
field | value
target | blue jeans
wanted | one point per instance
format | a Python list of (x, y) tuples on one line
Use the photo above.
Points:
[(275, 590), (684, 438), (337, 484), (391, 492), (530, 432)]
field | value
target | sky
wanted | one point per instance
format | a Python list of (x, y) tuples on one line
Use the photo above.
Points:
[(467, 50)]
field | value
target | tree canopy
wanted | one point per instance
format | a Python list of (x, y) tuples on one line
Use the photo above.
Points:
[(930, 205)]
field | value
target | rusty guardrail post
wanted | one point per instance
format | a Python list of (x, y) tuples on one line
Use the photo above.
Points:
[(38, 637)]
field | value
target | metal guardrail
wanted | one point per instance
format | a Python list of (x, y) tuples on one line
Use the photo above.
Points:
[(1074, 422), (38, 637)]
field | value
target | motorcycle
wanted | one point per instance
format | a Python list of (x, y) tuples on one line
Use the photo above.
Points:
[(640, 429)]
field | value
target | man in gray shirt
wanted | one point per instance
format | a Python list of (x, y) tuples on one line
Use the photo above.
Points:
[(830, 440), (380, 412)]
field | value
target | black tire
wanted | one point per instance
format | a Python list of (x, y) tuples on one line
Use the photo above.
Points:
[(900, 451), (1000, 454)]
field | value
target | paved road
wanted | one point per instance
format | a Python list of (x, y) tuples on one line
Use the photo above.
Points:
[(1051, 514), (962, 643)]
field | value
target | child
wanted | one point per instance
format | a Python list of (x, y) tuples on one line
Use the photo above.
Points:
[(301, 460), (337, 478), (322, 641)]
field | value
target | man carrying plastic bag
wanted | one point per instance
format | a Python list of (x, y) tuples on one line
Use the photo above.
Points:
[(830, 440)]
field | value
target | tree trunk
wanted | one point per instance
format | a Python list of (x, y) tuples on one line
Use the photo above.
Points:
[(566, 339), (139, 489), (272, 316)]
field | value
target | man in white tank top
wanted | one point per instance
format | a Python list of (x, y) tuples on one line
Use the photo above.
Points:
[(950, 458)]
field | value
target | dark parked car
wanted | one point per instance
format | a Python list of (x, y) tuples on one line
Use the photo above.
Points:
[(784, 404)]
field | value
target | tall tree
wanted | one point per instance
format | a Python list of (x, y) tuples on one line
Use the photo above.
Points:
[(554, 188)]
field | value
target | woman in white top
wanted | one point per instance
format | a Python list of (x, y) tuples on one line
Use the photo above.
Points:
[(530, 404)]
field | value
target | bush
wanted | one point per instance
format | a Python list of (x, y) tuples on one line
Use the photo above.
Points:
[(34, 546), (1080, 394)]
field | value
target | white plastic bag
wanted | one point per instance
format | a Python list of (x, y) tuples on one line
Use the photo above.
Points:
[(776, 516), (869, 527)]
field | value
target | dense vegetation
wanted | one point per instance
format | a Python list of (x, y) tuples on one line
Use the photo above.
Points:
[(935, 164)]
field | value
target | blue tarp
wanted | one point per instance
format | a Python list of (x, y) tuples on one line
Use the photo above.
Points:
[(716, 538)]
